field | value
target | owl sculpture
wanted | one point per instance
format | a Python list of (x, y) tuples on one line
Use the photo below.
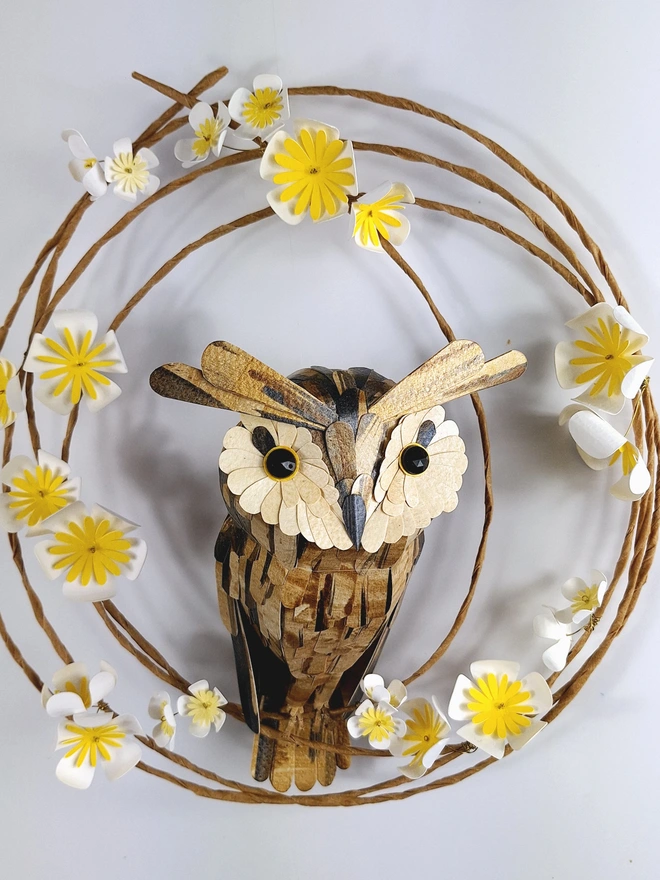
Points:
[(329, 479)]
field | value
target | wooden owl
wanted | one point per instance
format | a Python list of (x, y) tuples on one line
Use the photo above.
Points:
[(329, 479)]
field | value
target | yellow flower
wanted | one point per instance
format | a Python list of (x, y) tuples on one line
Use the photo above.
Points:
[(261, 111), (584, 598), (204, 707), (210, 132), (131, 172), (94, 742), (606, 357), (75, 363), (74, 691), (427, 731), (37, 489), (501, 706), (11, 399), (378, 214), (318, 175), (263, 108), (96, 738), (379, 723), (160, 709), (91, 548)]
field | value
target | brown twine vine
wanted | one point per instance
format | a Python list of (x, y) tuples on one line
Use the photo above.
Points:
[(639, 541)]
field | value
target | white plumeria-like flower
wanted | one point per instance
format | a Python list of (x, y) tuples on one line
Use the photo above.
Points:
[(93, 738), (85, 167), (313, 171), (210, 133), (378, 214), (37, 490), (379, 723), (498, 704), (72, 366), (601, 446), (277, 471), (605, 358), (419, 478), (160, 708), (73, 691), (585, 598), (203, 707), (427, 733), (262, 111), (373, 687), (92, 548), (131, 174), (547, 626), (11, 397)]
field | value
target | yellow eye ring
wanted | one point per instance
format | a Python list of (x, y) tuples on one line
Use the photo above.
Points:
[(281, 463), (414, 459)]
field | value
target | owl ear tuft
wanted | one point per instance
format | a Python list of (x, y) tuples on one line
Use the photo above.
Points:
[(458, 369)]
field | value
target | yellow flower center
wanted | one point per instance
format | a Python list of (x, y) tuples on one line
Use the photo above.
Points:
[(38, 494), (376, 724), (5, 375), (91, 552), (89, 163), (608, 356), (207, 136), (263, 108), (203, 707), (315, 177), (77, 366), (629, 457), (500, 706), (92, 742), (424, 730), (82, 689), (374, 219), (585, 600), (130, 172)]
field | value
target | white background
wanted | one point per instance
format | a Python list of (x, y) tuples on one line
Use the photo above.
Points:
[(570, 88)]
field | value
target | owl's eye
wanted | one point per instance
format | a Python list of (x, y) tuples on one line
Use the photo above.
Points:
[(281, 463), (414, 459)]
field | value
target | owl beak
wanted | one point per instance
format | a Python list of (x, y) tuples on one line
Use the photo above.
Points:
[(355, 516)]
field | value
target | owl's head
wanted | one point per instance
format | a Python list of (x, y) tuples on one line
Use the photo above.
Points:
[(342, 457)]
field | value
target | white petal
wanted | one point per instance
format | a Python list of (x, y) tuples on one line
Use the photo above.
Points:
[(622, 316), (123, 145), (149, 157), (94, 182), (151, 186), (78, 322), (183, 150), (458, 701), (572, 587), (200, 730), (253, 497), (74, 776), (197, 686), (285, 210), (122, 760), (489, 744), (77, 144), (481, 668), (371, 681), (594, 435), (15, 468), (155, 709), (353, 725), (64, 703), (632, 381), (555, 656), (546, 626), (528, 733), (540, 694), (14, 399), (105, 394), (102, 683), (91, 593), (236, 102), (612, 404), (137, 554), (267, 81), (634, 485)]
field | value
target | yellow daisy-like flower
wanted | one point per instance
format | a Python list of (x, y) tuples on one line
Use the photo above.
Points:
[(204, 707), (427, 731), (91, 548), (131, 172), (71, 367), (378, 215), (160, 708), (379, 723), (313, 171), (74, 691), (37, 490), (210, 132), (501, 706), (97, 738), (11, 398), (261, 111), (606, 357), (584, 598)]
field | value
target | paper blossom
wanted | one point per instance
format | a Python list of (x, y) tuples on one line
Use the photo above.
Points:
[(379, 214), (263, 110), (605, 358), (72, 366), (373, 687), (498, 705), (585, 598), (419, 478), (277, 471), (160, 708), (203, 707), (547, 626), (379, 723), (37, 490), (427, 733), (91, 548), (85, 167), (600, 446), (11, 397), (313, 171), (73, 691), (131, 174), (210, 133), (97, 737)]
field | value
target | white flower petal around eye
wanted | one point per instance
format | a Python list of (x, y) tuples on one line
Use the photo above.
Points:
[(374, 531), (528, 733), (481, 668), (270, 506), (540, 694), (458, 701), (239, 480), (239, 438), (321, 537), (410, 487), (594, 435), (489, 744), (290, 493), (632, 381), (556, 655), (336, 531), (235, 459), (632, 486), (289, 520), (252, 499), (79, 322), (309, 491), (286, 435), (385, 479), (409, 427), (316, 473), (155, 709), (123, 145), (64, 703), (394, 529)]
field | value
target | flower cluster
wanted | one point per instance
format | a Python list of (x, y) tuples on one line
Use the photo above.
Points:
[(606, 361), (129, 171)]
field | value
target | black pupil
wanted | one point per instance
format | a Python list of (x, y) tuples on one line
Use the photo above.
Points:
[(414, 460), (280, 463)]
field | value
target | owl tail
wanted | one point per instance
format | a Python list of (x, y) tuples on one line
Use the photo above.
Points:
[(285, 760)]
